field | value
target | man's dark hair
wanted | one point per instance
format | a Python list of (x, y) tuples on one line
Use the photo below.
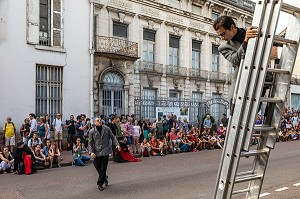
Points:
[(78, 117), (32, 115), (223, 21)]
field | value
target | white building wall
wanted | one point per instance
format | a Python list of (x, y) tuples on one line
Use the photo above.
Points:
[(18, 61)]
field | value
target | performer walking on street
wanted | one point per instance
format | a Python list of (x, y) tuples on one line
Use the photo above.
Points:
[(100, 148)]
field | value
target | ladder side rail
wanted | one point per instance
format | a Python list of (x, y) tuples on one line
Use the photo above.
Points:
[(263, 52), (282, 82), (228, 155), (258, 81)]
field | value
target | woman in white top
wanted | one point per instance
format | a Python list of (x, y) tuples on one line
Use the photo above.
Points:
[(136, 135)]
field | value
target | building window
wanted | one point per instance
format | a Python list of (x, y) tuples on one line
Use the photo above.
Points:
[(216, 108), (50, 23), (173, 50), (149, 110), (215, 58), (174, 95), (120, 29), (148, 45), (48, 99), (194, 110), (295, 101), (175, 3), (113, 94), (44, 37), (196, 50), (196, 9), (214, 15)]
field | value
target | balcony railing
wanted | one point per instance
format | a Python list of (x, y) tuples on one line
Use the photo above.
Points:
[(176, 70), (217, 76), (197, 73), (117, 46), (145, 66), (44, 41)]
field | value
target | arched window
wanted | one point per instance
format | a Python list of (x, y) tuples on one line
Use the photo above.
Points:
[(113, 94)]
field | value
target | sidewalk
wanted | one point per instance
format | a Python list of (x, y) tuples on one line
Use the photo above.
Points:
[(68, 158)]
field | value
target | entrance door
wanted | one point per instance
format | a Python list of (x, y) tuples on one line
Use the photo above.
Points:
[(113, 94)]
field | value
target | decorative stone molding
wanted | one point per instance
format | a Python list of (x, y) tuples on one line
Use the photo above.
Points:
[(151, 80), (151, 24), (227, 11), (176, 30), (198, 35), (176, 83), (217, 40), (121, 4), (175, 19), (121, 17), (198, 85), (150, 11)]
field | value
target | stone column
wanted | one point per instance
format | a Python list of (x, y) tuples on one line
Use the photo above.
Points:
[(187, 88), (126, 101), (162, 57)]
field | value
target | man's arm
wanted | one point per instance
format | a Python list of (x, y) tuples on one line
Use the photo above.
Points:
[(91, 141), (231, 54)]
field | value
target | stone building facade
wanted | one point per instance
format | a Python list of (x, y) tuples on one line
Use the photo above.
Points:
[(154, 53)]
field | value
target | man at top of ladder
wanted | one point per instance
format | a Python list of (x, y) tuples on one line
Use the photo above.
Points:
[(235, 44)]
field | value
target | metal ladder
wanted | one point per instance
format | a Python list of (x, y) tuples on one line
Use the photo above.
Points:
[(247, 99)]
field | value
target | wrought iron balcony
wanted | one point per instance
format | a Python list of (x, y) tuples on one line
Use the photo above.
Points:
[(176, 70), (197, 73), (151, 67), (217, 76), (116, 46)]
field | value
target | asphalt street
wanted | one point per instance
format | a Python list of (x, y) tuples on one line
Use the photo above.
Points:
[(180, 176)]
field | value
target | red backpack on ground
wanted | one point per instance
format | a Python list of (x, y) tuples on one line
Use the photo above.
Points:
[(27, 163)]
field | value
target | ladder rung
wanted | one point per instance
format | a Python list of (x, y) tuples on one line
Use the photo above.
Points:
[(271, 99), (253, 152), (269, 83), (263, 128), (246, 178), (256, 135), (240, 191), (284, 41), (289, 8), (276, 70)]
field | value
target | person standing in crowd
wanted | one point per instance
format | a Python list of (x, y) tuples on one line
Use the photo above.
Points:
[(25, 130), (9, 130), (43, 130), (58, 126), (99, 148), (79, 127), (146, 129), (136, 136), (112, 125), (224, 120), (207, 122), (33, 124), (128, 132), (165, 125), (47, 122), (70, 124)]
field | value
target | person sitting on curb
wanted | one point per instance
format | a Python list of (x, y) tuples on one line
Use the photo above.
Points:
[(78, 158), (40, 158), (6, 160), (23, 159), (145, 146), (55, 154)]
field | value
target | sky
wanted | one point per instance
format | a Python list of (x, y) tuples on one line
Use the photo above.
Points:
[(283, 18)]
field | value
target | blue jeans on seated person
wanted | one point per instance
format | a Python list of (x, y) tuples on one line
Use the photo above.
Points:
[(81, 161)]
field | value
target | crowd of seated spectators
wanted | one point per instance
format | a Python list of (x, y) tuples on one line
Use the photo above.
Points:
[(167, 135)]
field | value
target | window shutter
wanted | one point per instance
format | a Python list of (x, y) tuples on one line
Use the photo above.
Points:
[(33, 13), (56, 28)]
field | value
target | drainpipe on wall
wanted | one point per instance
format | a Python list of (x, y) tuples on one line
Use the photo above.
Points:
[(91, 50)]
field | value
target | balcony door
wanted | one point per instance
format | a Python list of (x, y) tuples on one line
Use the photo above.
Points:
[(113, 94)]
